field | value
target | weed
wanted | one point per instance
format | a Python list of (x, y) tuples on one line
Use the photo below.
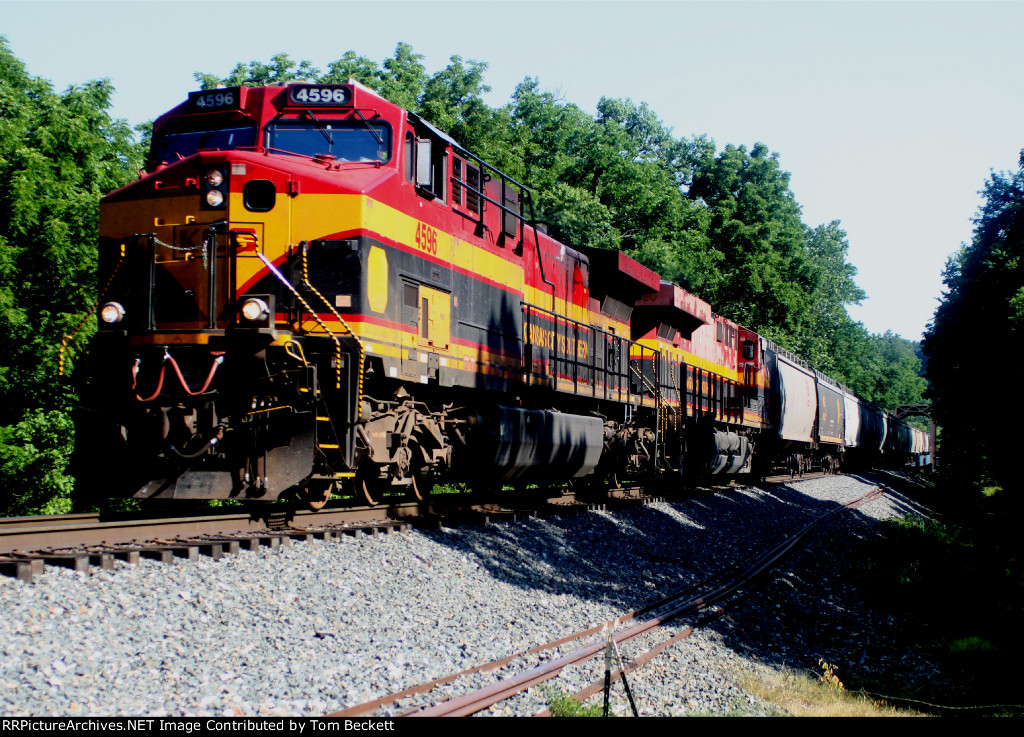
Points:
[(458, 488), (564, 705), (829, 677), (912, 570), (970, 645), (797, 694)]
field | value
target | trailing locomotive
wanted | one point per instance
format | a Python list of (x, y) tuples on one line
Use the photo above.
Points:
[(311, 287)]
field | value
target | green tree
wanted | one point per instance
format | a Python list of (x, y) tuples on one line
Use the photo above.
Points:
[(767, 279), (896, 372), (979, 318), (281, 70), (614, 180), (58, 154), (546, 143), (453, 95), (578, 217), (827, 247), (404, 77), (353, 66)]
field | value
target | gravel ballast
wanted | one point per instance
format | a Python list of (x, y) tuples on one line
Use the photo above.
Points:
[(319, 626)]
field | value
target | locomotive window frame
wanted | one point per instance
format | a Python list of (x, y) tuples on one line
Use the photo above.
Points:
[(411, 315), (410, 295), (410, 156), (320, 133), (430, 166), (425, 164), (189, 140), (424, 321)]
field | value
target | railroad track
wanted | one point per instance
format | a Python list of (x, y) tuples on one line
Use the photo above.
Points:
[(83, 541), (86, 540), (711, 598), (91, 540)]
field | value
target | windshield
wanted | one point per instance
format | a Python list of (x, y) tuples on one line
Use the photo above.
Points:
[(345, 140), (178, 145)]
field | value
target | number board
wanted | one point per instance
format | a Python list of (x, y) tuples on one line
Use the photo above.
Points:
[(319, 94), (213, 100)]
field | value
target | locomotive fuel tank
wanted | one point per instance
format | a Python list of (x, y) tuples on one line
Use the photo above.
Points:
[(539, 444)]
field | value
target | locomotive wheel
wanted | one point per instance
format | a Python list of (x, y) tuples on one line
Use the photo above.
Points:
[(371, 495), (421, 488), (316, 493), (371, 488)]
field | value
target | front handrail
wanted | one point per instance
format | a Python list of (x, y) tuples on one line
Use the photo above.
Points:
[(304, 245), (337, 343)]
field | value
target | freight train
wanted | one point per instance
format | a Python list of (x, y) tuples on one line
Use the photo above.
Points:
[(310, 291)]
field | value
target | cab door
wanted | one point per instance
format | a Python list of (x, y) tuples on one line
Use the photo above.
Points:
[(435, 319), (428, 312)]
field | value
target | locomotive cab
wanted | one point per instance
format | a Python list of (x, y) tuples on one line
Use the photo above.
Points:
[(205, 357)]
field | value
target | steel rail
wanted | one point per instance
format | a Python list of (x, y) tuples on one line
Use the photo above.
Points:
[(370, 706), (90, 528), (480, 699), (635, 664), (597, 686), (35, 533), (83, 541)]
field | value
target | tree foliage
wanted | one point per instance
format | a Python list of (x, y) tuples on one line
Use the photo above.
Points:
[(766, 278), (59, 153), (280, 70), (828, 248), (981, 315)]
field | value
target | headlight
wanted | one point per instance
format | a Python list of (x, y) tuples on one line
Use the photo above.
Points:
[(214, 177), (112, 313), (214, 198), (255, 309)]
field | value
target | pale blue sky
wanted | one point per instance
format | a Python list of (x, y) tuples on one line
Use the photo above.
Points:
[(890, 116)]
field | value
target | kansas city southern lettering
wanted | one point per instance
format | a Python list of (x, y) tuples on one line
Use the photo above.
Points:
[(544, 338)]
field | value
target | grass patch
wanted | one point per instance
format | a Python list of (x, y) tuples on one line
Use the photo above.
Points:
[(564, 705), (970, 645), (791, 693), (799, 695), (458, 488)]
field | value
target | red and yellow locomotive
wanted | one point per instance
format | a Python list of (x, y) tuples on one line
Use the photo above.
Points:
[(312, 287)]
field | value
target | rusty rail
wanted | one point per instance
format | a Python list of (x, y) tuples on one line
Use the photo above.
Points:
[(716, 590)]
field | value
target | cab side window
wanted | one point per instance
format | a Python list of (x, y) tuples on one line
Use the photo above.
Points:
[(427, 164)]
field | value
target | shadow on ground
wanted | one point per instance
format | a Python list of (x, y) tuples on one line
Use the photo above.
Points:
[(810, 608)]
